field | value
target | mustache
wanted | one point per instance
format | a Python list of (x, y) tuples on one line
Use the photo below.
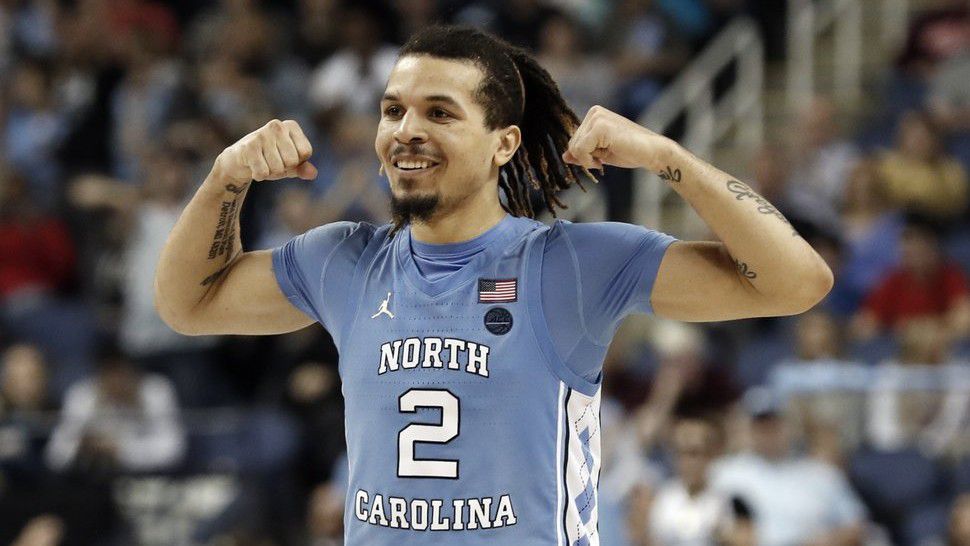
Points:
[(414, 149)]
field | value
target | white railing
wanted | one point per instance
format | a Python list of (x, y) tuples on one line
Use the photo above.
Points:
[(810, 20), (708, 118)]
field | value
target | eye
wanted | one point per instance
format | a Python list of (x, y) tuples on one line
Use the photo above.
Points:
[(439, 113), (393, 111)]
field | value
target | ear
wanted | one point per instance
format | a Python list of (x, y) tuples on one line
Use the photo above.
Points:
[(509, 140)]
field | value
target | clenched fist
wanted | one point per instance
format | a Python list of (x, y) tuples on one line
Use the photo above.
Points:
[(607, 138), (276, 150)]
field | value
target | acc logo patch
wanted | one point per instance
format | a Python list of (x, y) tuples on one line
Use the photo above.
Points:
[(498, 320)]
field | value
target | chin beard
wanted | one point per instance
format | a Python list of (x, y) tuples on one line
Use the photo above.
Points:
[(413, 209)]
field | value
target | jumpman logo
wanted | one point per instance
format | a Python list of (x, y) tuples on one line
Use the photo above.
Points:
[(383, 308)]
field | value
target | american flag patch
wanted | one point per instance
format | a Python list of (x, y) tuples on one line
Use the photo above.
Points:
[(497, 290)]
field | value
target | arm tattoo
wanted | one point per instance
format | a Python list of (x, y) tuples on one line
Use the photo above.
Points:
[(670, 175), (224, 236), (211, 279), (743, 269), (742, 191), (225, 233)]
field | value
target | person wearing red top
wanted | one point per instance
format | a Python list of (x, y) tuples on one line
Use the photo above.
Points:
[(37, 255), (924, 284)]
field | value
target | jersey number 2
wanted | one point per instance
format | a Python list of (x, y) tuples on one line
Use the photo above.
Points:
[(442, 433)]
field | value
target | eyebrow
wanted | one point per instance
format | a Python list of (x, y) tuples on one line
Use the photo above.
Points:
[(430, 98)]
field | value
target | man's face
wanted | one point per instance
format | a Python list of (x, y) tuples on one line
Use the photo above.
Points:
[(693, 442), (769, 438), (432, 138)]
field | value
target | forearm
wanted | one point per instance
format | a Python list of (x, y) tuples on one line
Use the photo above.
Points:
[(201, 247), (768, 253)]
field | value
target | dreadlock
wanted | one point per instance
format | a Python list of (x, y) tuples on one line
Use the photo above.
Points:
[(515, 90)]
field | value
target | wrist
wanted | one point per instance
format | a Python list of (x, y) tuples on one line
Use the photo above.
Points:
[(662, 152), (219, 181)]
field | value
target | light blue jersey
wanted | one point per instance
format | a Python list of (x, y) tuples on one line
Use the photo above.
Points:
[(470, 421)]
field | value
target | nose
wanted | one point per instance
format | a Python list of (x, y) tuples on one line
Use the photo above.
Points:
[(410, 129)]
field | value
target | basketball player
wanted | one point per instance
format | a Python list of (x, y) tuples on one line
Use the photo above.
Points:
[(471, 336)]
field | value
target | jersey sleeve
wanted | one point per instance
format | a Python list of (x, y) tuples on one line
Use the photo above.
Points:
[(617, 264), (314, 268)]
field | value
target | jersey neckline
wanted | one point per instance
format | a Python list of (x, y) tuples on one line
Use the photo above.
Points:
[(490, 242)]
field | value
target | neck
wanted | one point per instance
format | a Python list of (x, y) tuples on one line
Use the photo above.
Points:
[(471, 217)]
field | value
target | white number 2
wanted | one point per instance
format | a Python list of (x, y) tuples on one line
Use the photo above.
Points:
[(442, 433)]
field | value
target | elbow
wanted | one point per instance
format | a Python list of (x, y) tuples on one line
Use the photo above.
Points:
[(174, 318), (812, 287)]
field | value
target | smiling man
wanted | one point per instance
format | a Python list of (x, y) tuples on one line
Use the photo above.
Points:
[(471, 336)]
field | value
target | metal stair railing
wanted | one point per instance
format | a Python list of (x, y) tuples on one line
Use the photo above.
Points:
[(709, 119)]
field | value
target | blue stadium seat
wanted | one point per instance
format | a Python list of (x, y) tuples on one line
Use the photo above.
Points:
[(957, 247), (894, 482), (261, 441), (925, 523), (961, 476), (874, 351), (759, 355)]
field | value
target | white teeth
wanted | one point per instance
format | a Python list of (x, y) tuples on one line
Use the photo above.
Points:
[(413, 164)]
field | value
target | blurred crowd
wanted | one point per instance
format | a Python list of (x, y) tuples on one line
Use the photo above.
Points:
[(847, 425)]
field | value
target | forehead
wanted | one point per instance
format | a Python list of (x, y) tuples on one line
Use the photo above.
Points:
[(416, 76)]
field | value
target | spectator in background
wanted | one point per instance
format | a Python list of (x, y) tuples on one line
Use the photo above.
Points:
[(520, 21), (825, 404), (822, 161), (228, 94), (686, 511), (350, 185), (795, 500), (37, 255), (919, 175), (325, 514), (770, 176), (239, 29), (318, 28), (923, 284), (352, 80), (46, 530), (149, 213), (23, 399), (935, 36), (141, 104), (958, 532), (871, 229), (917, 400), (949, 97), (411, 16), (584, 79), (647, 50), (685, 383), (118, 421), (33, 130)]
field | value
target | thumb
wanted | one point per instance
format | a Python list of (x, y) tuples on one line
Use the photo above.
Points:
[(306, 171), (568, 157)]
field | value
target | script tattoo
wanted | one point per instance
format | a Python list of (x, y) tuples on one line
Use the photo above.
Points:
[(211, 279), (743, 269), (669, 175), (742, 191), (225, 232)]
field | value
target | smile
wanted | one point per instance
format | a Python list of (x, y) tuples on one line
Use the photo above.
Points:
[(415, 165)]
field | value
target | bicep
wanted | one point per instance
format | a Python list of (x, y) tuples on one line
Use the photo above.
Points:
[(247, 300), (698, 282)]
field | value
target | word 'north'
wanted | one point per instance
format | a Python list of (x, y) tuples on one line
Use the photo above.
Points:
[(430, 352)]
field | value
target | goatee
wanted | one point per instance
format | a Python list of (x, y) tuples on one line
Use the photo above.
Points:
[(409, 209)]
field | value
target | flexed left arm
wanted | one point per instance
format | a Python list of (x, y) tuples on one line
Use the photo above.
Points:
[(761, 267)]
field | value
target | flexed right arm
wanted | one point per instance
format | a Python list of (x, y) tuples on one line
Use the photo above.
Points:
[(205, 283)]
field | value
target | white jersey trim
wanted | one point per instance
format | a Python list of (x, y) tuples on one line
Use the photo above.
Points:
[(581, 468)]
